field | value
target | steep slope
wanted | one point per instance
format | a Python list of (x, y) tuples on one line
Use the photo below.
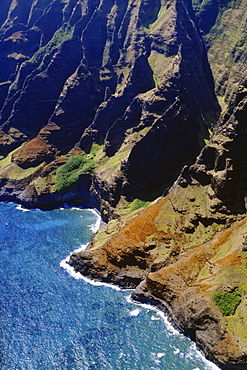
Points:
[(224, 28), (102, 104), (122, 76), (188, 245)]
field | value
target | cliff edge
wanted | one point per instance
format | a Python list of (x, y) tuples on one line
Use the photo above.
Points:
[(138, 108), (110, 82), (189, 247)]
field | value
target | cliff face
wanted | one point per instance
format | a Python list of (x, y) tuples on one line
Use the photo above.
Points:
[(188, 245), (223, 26), (102, 104), (113, 79)]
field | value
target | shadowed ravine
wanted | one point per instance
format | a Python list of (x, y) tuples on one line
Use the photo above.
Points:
[(138, 109)]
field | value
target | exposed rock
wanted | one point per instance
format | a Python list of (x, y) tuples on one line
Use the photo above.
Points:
[(128, 85), (225, 34), (94, 71), (224, 158), (188, 244)]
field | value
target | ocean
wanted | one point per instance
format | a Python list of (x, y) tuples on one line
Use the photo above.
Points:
[(53, 319)]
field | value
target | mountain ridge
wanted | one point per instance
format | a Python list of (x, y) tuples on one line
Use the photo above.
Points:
[(130, 85), (185, 247), (115, 105)]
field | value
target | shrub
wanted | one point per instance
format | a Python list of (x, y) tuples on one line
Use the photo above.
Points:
[(227, 301), (63, 34), (69, 172), (138, 203)]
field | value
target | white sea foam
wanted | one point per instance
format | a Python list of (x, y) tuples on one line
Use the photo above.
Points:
[(94, 210), (193, 352), (135, 312), (77, 275), (155, 357), (95, 226), (169, 326), (128, 299), (23, 209), (161, 354), (82, 248), (69, 208)]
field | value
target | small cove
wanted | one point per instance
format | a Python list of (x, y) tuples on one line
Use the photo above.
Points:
[(50, 320)]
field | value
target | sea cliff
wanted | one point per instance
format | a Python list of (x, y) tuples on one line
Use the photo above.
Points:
[(110, 82), (138, 108), (190, 245)]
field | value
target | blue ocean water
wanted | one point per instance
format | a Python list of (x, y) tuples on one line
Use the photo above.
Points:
[(50, 320)]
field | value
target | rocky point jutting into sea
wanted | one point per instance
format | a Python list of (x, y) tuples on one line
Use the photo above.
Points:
[(138, 108)]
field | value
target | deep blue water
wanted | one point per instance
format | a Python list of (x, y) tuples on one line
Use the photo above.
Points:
[(50, 320)]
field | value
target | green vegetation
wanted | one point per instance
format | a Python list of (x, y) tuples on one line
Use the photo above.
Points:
[(138, 203), (69, 172), (17, 56), (149, 15), (63, 34), (152, 62), (114, 162), (13, 171), (229, 29), (95, 152), (227, 302), (159, 20)]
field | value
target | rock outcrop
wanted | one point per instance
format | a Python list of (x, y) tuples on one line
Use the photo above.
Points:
[(224, 31), (189, 244), (125, 90), (125, 77)]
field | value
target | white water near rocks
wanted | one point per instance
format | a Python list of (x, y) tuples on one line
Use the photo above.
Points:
[(50, 320)]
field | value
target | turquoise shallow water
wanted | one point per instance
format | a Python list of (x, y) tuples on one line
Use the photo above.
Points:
[(50, 320)]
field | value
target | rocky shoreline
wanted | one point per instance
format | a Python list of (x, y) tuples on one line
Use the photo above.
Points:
[(180, 250), (179, 289), (119, 99)]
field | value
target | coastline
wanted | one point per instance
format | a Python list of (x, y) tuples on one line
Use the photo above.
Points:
[(148, 305), (94, 281), (77, 275), (55, 299), (154, 305)]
